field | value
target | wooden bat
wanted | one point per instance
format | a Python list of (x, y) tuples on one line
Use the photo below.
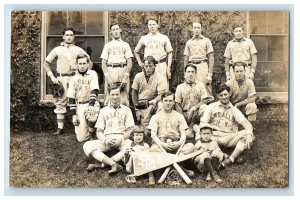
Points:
[(167, 170), (176, 166)]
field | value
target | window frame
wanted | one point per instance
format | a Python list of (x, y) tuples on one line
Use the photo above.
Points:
[(46, 98), (249, 34)]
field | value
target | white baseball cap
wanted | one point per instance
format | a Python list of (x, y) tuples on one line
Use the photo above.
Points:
[(205, 125)]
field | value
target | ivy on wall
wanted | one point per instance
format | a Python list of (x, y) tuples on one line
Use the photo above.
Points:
[(217, 26)]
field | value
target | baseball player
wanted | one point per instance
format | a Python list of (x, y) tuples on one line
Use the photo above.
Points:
[(65, 57), (191, 98), (147, 88), (199, 51), (82, 94), (159, 46), (225, 119), (116, 64), (243, 92), (168, 129), (114, 125), (240, 49), (137, 145), (211, 156)]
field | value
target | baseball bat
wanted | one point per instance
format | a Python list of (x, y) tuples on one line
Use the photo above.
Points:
[(176, 166), (167, 170)]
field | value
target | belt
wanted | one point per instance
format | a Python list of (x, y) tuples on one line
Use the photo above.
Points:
[(66, 74), (197, 62), (162, 60), (116, 65), (83, 102)]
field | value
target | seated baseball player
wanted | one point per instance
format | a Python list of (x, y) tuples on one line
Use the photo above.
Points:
[(168, 130), (243, 92), (82, 95), (114, 125), (191, 99), (211, 156), (225, 120), (137, 145), (147, 88)]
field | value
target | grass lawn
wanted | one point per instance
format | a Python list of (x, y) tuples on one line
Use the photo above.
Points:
[(41, 160)]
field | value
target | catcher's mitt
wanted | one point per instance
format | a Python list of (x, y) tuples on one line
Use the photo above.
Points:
[(57, 89), (91, 114), (142, 104)]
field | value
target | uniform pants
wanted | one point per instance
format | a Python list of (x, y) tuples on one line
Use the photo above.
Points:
[(116, 74), (162, 69), (61, 102), (201, 76)]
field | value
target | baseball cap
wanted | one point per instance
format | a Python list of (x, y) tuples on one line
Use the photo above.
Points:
[(205, 125)]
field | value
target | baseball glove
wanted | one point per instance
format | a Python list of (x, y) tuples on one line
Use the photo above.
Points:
[(57, 89), (91, 114), (142, 104)]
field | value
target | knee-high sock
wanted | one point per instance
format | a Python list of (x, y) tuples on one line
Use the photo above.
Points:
[(60, 120)]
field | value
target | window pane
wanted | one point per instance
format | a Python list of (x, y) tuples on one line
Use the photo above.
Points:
[(276, 23), (56, 22), (261, 44), (76, 19), (94, 48), (94, 23), (272, 77), (258, 22), (275, 48)]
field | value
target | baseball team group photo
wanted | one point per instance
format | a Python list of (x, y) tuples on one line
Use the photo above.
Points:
[(106, 99)]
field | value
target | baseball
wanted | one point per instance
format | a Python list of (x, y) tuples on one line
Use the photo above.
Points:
[(169, 140)]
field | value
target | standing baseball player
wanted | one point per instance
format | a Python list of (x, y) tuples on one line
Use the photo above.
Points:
[(168, 129), (225, 119), (114, 125), (199, 51), (65, 57), (243, 92), (191, 98), (147, 88), (116, 64), (82, 94), (159, 46), (240, 49)]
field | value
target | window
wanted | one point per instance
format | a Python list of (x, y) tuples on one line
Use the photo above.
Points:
[(270, 34), (91, 35)]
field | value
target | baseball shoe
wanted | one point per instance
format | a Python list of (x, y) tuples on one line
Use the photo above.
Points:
[(188, 172), (227, 162), (130, 178), (208, 177), (92, 167), (151, 181), (216, 177), (116, 167), (58, 132)]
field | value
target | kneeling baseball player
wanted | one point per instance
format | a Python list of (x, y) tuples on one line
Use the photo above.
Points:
[(82, 94)]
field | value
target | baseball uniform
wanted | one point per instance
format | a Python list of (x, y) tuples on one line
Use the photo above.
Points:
[(80, 88), (164, 123), (242, 91), (113, 122), (225, 121), (116, 52), (149, 90), (210, 149)]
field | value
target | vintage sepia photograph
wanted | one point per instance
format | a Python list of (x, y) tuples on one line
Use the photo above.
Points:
[(149, 99)]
